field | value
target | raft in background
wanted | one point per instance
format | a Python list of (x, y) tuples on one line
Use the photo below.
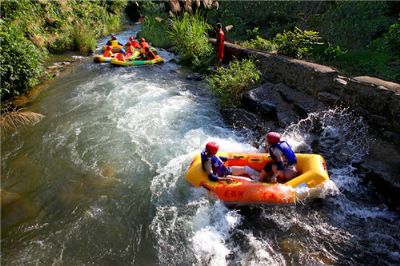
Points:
[(102, 59), (312, 168), (114, 49), (156, 60)]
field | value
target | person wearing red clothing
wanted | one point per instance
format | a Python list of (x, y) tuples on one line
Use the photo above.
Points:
[(143, 43), (219, 48), (107, 52), (121, 55)]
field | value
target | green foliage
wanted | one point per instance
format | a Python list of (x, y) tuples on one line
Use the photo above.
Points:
[(228, 83), (115, 7), (327, 52), (368, 28), (49, 25), (393, 35), (260, 44), (296, 43), (271, 17), (228, 17), (354, 24), (375, 63), (155, 29), (253, 34), (189, 35), (84, 40), (151, 8), (20, 61)]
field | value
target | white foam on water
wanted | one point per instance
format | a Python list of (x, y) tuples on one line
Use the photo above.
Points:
[(211, 229), (260, 252)]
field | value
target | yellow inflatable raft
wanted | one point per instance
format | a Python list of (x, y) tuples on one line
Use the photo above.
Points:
[(312, 168), (101, 59), (135, 62), (114, 49)]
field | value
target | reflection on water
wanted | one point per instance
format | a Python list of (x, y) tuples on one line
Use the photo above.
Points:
[(100, 180)]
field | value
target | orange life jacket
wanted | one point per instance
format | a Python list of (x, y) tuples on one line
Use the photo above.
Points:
[(130, 50), (144, 45), (120, 57), (135, 44), (107, 53)]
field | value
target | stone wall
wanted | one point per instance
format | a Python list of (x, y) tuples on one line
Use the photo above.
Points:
[(378, 101)]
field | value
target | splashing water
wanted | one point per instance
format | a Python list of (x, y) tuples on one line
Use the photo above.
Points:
[(338, 134)]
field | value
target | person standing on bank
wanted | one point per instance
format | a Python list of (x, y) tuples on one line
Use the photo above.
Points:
[(219, 47), (282, 168)]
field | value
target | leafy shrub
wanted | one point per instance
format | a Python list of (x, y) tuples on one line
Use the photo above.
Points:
[(296, 43), (20, 61), (84, 39), (328, 52), (260, 44), (253, 34), (155, 29), (393, 36), (228, 83), (353, 24), (30, 27), (189, 35)]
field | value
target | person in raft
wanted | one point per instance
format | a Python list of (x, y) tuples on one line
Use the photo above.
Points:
[(148, 54), (107, 52), (121, 55), (219, 46), (129, 49), (282, 168), (143, 44), (113, 41), (133, 42), (216, 170)]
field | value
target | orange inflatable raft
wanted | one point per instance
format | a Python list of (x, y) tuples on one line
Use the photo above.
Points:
[(312, 168)]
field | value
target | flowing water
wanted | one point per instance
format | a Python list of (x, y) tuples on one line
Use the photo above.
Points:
[(100, 181)]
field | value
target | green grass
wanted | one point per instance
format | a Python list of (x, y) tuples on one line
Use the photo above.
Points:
[(379, 64), (155, 30)]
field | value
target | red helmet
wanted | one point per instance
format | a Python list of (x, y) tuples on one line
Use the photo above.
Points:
[(273, 137), (212, 148), (142, 40), (131, 38), (108, 48), (113, 37)]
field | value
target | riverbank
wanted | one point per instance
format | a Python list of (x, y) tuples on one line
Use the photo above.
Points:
[(55, 66), (31, 31), (292, 89)]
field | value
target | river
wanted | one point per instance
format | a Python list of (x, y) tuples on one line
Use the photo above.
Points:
[(101, 181)]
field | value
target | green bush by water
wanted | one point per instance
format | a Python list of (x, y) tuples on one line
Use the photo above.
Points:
[(52, 26), (260, 43), (189, 36), (296, 43), (20, 61), (155, 29), (228, 83)]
